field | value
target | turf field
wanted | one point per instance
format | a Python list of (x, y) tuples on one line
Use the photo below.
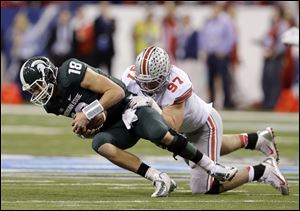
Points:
[(26, 131), (119, 191)]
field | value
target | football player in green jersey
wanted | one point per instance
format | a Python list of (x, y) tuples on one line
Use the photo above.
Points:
[(82, 92)]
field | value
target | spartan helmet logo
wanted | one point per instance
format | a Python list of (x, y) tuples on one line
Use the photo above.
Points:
[(38, 76), (40, 66)]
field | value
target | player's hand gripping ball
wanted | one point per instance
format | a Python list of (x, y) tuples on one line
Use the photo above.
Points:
[(97, 122), (92, 127)]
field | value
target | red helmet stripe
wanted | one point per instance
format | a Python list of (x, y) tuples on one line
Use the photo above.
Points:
[(144, 60)]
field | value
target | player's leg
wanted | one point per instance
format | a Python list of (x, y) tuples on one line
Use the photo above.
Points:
[(240, 178), (208, 140), (151, 126), (111, 144), (267, 172), (231, 143), (262, 141), (106, 143)]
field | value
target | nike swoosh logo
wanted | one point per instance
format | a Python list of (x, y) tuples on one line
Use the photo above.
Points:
[(270, 150), (282, 182)]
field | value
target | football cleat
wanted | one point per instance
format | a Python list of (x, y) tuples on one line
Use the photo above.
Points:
[(273, 176), (223, 173), (173, 186), (266, 143), (163, 185)]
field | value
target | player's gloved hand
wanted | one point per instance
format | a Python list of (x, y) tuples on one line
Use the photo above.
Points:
[(139, 101), (142, 101)]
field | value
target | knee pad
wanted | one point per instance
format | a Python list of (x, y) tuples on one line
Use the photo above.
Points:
[(215, 188), (177, 146), (183, 148), (100, 139)]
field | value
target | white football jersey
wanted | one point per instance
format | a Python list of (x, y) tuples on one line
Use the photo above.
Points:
[(179, 89)]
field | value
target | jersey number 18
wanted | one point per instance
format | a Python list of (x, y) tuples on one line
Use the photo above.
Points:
[(74, 67)]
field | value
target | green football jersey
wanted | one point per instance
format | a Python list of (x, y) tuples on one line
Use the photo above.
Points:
[(69, 97)]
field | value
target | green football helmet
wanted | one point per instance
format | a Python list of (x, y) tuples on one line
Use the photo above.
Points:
[(38, 76)]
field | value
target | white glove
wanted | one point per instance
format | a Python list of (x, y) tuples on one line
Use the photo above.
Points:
[(129, 117), (142, 101), (139, 101)]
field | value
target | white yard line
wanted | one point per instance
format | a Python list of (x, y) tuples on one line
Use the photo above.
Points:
[(31, 129), (22, 109), (26, 181), (150, 201)]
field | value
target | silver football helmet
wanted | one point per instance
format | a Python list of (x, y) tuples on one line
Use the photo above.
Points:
[(38, 76), (152, 70)]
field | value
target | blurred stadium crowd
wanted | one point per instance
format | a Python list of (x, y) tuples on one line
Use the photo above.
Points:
[(60, 30)]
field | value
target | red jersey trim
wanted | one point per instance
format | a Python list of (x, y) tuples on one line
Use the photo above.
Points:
[(183, 97)]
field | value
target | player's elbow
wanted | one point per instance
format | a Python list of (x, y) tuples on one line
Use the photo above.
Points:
[(119, 93), (116, 94)]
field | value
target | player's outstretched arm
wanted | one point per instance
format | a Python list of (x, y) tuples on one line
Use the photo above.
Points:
[(112, 92), (111, 95), (174, 115)]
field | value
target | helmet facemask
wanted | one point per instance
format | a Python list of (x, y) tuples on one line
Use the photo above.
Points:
[(149, 85), (152, 70), (41, 92)]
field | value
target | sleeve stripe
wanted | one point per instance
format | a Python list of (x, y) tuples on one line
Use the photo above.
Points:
[(183, 97)]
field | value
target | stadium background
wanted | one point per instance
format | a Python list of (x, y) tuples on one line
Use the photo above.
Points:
[(63, 160)]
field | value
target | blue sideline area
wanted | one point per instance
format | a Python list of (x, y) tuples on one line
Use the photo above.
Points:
[(94, 164)]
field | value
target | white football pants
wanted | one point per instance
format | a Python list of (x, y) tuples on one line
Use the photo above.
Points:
[(207, 139)]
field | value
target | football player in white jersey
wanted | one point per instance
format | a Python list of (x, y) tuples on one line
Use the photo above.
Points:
[(170, 91)]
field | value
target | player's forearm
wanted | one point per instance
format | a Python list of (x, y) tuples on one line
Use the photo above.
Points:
[(171, 121), (111, 97)]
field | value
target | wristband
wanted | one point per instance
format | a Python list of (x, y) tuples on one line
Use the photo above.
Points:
[(93, 109)]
